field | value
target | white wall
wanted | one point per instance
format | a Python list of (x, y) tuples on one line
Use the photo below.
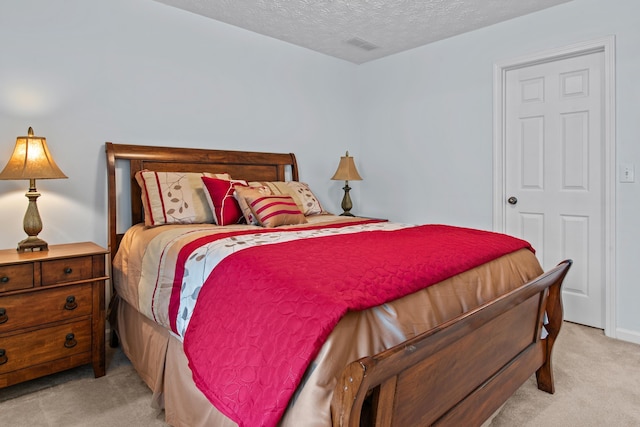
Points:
[(427, 122), (419, 123), (83, 72)]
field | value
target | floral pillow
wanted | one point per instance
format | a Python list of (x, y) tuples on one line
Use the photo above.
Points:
[(271, 211), (175, 197), (224, 205), (300, 192)]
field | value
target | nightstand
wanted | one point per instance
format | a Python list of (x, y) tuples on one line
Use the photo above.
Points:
[(52, 311), (370, 217)]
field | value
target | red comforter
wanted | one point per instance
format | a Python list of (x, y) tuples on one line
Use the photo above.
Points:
[(259, 322)]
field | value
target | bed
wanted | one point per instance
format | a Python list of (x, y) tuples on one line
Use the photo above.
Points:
[(450, 353)]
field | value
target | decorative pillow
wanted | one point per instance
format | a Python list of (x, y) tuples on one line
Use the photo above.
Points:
[(272, 211), (307, 202), (241, 194), (219, 194), (175, 197)]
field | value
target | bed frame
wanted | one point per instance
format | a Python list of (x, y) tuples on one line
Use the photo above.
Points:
[(458, 373)]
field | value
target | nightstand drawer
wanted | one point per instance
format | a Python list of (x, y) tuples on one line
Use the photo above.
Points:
[(16, 276), (46, 306), (44, 345), (66, 270)]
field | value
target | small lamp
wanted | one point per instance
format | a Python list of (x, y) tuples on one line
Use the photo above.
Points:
[(346, 172), (31, 160)]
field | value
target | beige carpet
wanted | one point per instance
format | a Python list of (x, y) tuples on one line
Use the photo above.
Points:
[(75, 398), (597, 384)]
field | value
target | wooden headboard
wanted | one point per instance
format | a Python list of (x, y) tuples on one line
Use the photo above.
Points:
[(247, 165)]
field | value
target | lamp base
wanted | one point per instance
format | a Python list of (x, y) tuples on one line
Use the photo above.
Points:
[(32, 223), (32, 244), (346, 200)]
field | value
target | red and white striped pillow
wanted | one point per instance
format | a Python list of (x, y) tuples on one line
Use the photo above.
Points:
[(270, 210), (300, 192)]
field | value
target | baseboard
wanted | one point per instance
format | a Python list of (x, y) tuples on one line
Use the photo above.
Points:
[(628, 335)]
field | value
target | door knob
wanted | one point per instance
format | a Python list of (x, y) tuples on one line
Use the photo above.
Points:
[(512, 200)]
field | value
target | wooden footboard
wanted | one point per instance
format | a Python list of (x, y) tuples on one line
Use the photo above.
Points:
[(462, 371)]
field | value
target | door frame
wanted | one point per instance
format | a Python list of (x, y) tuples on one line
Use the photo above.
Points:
[(607, 46)]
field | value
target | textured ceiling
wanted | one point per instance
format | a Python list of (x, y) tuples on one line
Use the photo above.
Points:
[(361, 30)]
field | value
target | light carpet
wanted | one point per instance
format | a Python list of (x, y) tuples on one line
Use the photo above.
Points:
[(597, 384)]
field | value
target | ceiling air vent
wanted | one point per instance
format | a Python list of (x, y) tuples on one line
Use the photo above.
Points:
[(362, 44)]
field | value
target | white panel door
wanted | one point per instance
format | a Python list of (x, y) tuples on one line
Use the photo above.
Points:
[(554, 173)]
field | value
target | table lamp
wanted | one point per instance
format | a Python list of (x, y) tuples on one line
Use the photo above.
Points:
[(346, 172), (31, 160)]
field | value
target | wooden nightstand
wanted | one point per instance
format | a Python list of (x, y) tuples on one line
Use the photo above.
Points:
[(52, 311)]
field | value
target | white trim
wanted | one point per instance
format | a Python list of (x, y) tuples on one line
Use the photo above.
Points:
[(607, 46), (627, 335)]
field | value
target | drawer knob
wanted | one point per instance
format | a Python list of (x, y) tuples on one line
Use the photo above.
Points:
[(70, 341), (70, 303), (3, 356), (68, 270), (4, 279), (3, 315)]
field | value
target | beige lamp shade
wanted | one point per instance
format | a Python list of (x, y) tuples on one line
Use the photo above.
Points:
[(31, 159), (347, 170)]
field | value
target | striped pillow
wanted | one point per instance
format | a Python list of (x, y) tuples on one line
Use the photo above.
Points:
[(242, 193), (272, 211), (307, 202)]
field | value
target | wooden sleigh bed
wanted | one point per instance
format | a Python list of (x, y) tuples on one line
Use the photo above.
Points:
[(456, 372)]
